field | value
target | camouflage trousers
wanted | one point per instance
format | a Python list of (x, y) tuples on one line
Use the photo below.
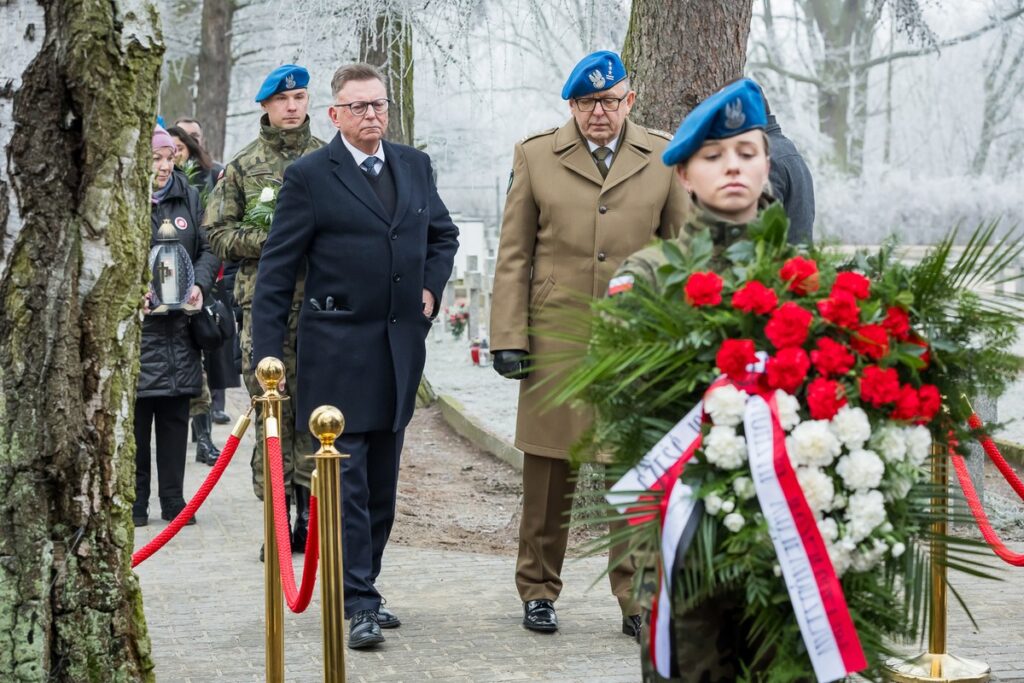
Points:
[(200, 405), (295, 449), (710, 642)]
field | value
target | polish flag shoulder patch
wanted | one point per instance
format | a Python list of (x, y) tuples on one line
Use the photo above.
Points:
[(620, 284), (181, 223)]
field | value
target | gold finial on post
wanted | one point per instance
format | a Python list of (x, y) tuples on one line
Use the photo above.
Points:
[(327, 423), (269, 373)]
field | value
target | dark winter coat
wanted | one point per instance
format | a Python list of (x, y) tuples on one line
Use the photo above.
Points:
[(170, 365), (791, 183), (365, 352)]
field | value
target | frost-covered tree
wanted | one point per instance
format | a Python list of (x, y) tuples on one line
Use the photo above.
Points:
[(76, 112)]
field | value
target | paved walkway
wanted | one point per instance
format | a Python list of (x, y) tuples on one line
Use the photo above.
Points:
[(204, 605)]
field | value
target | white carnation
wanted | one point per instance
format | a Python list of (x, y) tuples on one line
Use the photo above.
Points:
[(789, 409), (266, 195), (898, 486), (744, 488), (866, 559), (839, 502), (733, 521), (861, 470), (889, 443), (724, 448), (828, 529), (728, 506), (725, 405), (818, 488), (841, 554), (919, 444), (712, 503), (851, 426), (812, 444), (865, 511), (898, 549)]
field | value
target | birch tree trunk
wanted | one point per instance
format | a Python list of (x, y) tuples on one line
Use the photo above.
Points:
[(681, 51), (77, 100)]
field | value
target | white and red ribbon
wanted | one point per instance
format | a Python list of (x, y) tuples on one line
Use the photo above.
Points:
[(814, 590)]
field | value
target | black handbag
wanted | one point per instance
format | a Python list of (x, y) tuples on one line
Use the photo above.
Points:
[(211, 327)]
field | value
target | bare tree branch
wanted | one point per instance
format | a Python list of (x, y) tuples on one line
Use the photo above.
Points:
[(783, 71)]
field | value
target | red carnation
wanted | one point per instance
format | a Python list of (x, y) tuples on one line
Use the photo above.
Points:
[(855, 284), (734, 356), (801, 274), (871, 341), (840, 309), (832, 358), (703, 289), (908, 405), (930, 400), (788, 325), (754, 297), (879, 386), (787, 369), (897, 322), (824, 398)]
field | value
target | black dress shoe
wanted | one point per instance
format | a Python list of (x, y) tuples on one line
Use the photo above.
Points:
[(221, 418), (140, 517), (364, 631), (173, 510), (539, 615), (632, 625), (387, 619)]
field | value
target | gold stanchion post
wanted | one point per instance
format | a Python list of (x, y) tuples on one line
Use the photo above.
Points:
[(269, 373), (327, 423), (937, 665)]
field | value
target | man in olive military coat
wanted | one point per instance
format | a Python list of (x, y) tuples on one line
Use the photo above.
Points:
[(582, 197)]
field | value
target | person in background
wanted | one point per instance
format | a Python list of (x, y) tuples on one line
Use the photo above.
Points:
[(284, 136), (170, 370), (581, 198), (791, 181), (207, 172), (193, 128)]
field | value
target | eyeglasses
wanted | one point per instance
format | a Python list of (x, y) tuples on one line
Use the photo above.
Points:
[(360, 108), (607, 103)]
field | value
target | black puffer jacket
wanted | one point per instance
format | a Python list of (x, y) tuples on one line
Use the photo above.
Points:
[(170, 364)]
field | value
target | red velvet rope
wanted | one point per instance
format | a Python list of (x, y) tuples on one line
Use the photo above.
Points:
[(997, 458), (971, 495), (297, 599), (143, 553)]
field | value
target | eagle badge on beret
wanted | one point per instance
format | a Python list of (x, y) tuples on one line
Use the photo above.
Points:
[(734, 116), (596, 79), (289, 82)]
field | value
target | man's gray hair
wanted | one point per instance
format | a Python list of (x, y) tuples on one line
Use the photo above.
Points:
[(355, 72)]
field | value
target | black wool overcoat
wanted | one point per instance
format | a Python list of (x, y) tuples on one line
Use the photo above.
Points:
[(366, 356)]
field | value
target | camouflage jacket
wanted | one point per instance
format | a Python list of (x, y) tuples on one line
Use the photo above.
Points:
[(260, 164), (644, 264)]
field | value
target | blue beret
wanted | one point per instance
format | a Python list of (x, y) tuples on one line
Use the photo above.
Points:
[(735, 109), (284, 77), (595, 72)]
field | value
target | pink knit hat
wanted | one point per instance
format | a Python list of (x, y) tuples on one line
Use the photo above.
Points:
[(161, 138)]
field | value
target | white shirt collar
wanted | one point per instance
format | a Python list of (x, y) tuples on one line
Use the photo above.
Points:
[(611, 145), (359, 155)]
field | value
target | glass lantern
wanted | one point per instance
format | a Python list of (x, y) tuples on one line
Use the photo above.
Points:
[(172, 273)]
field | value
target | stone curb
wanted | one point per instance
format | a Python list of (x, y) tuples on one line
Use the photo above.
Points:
[(459, 419)]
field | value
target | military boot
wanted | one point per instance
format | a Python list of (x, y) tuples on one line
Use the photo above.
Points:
[(206, 451), (301, 529)]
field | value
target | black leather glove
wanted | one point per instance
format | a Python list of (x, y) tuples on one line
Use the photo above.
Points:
[(512, 364)]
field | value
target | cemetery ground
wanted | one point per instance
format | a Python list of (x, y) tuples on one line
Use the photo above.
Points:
[(448, 573)]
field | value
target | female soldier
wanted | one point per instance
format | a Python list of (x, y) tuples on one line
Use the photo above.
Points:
[(720, 154), (170, 371)]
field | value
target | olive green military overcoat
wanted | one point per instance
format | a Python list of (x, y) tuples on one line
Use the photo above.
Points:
[(564, 232)]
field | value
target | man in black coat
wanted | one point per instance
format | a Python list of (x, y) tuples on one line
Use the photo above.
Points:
[(365, 215), (791, 181)]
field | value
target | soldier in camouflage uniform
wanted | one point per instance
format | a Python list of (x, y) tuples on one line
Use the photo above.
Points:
[(720, 153), (284, 137)]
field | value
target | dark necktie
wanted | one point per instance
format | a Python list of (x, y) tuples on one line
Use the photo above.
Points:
[(369, 166), (601, 154)]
